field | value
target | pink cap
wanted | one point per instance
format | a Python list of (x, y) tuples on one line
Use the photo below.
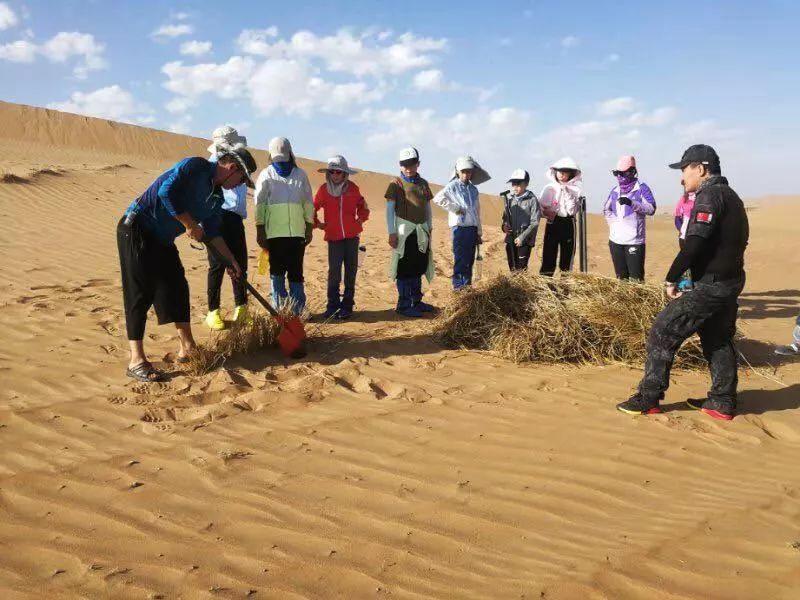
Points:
[(625, 163)]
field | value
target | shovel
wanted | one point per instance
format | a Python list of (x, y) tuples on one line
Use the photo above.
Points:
[(292, 333)]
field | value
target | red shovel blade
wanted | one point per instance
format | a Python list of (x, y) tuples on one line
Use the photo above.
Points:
[(291, 337)]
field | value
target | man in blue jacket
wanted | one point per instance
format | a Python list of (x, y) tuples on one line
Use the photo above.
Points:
[(185, 198)]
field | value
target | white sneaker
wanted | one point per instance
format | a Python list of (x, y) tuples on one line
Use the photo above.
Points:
[(790, 350)]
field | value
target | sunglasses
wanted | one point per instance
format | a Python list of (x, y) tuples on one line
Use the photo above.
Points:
[(335, 171), (616, 173), (409, 163)]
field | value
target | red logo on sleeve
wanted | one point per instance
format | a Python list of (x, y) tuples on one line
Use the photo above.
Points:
[(704, 217)]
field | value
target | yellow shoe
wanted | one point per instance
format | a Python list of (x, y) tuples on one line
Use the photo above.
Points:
[(214, 321), (240, 314)]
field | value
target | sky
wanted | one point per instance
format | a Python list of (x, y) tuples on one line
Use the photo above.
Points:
[(516, 84)]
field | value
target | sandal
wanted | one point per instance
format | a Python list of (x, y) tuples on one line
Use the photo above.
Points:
[(145, 373)]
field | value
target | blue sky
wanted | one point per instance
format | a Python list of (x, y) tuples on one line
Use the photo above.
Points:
[(517, 84)]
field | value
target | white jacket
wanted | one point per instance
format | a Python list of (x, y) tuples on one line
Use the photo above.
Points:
[(561, 199), (462, 203)]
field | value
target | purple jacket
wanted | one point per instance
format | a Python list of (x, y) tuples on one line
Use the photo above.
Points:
[(627, 223)]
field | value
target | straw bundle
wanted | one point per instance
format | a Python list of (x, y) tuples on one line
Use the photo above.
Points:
[(583, 319), (257, 332)]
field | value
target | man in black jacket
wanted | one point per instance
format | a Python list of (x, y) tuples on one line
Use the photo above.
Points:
[(714, 251)]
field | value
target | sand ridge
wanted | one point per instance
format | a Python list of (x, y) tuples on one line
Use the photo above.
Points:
[(384, 465)]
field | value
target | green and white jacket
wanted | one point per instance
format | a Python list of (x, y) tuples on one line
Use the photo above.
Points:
[(284, 205)]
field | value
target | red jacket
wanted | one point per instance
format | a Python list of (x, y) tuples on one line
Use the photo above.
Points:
[(343, 215)]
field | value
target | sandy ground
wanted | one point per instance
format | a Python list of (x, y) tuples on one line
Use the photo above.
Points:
[(384, 465)]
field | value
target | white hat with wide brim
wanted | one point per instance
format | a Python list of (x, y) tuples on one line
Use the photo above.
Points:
[(226, 135), (337, 163), (479, 174)]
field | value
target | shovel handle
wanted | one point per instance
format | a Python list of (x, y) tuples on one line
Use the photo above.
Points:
[(263, 301)]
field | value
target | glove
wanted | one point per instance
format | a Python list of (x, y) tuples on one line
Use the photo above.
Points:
[(624, 200), (261, 236)]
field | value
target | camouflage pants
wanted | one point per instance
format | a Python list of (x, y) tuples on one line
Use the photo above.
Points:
[(710, 311)]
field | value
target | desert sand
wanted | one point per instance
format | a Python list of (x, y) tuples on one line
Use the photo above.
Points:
[(381, 466)]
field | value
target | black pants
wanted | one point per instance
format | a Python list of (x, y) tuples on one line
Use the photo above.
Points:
[(232, 231), (559, 238), (414, 263), (518, 257), (286, 257), (342, 253), (709, 310), (152, 275), (628, 260)]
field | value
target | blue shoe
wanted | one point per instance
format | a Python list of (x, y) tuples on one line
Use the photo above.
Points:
[(405, 305), (416, 296)]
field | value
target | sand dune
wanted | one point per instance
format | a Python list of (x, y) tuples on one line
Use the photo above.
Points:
[(384, 465)]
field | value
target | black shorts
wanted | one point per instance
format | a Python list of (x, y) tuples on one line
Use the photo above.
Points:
[(152, 275)]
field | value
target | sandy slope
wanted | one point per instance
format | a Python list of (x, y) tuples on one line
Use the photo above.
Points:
[(384, 466)]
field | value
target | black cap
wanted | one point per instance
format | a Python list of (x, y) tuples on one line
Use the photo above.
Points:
[(699, 153), (244, 159)]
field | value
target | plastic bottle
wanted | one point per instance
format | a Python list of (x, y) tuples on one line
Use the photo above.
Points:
[(362, 255), (477, 271)]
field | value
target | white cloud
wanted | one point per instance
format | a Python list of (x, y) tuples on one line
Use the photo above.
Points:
[(69, 44), (195, 48), (21, 51), (172, 30), (112, 102), (182, 125), (615, 106), (371, 53), (431, 80), (8, 18), (657, 118), (226, 80), (291, 86), (569, 41), (181, 16), (62, 47)]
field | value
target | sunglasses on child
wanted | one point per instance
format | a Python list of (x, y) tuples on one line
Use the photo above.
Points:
[(335, 171)]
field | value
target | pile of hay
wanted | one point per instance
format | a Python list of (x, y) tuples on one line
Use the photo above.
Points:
[(260, 331), (577, 319)]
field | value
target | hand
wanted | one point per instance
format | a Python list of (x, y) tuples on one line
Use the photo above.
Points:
[(461, 211), (672, 291), (196, 232), (309, 233), (261, 236), (624, 200), (393, 240), (234, 270), (480, 239), (506, 228), (518, 242), (321, 226)]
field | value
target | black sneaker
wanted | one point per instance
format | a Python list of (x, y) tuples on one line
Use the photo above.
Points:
[(636, 405), (716, 409)]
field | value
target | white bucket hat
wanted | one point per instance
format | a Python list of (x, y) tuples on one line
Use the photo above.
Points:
[(479, 174), (519, 175), (337, 163), (226, 135), (409, 153), (280, 150)]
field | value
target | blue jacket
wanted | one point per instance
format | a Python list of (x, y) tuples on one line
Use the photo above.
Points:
[(185, 187)]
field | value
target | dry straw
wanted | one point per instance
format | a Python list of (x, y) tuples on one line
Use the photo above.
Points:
[(257, 332), (584, 319)]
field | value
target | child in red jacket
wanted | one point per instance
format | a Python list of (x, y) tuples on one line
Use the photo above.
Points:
[(344, 212)]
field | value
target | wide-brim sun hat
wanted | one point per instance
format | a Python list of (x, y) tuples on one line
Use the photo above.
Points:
[(243, 158), (337, 163), (479, 174), (228, 135)]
